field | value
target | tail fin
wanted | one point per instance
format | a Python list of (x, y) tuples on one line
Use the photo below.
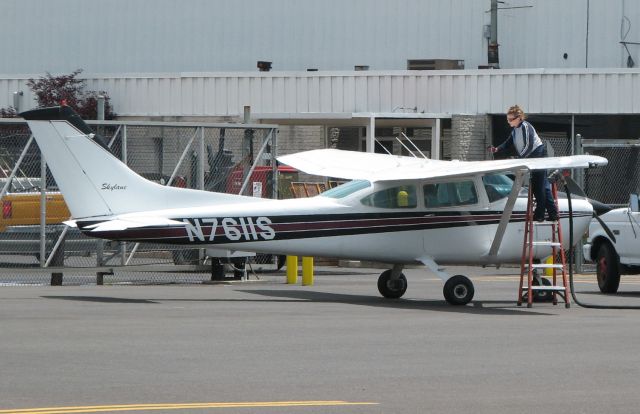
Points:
[(93, 182)]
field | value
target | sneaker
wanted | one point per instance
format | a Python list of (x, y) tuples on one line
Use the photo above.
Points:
[(553, 217), (539, 219)]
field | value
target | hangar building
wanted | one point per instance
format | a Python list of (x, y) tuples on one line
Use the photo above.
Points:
[(343, 72)]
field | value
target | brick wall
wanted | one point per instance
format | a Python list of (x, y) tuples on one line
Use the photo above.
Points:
[(471, 134), (294, 138), (300, 138)]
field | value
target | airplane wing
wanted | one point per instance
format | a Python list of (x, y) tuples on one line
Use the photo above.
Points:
[(383, 167)]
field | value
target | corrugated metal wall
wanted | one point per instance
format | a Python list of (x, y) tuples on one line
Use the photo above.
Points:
[(120, 36), (439, 92), (135, 36), (538, 33)]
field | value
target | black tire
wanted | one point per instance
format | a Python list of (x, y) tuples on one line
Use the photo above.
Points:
[(608, 269), (392, 289), (458, 290), (542, 295)]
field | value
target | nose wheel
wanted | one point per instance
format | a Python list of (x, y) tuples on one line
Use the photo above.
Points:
[(392, 286), (458, 290)]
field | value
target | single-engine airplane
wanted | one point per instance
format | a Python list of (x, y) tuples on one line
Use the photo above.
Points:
[(397, 210)]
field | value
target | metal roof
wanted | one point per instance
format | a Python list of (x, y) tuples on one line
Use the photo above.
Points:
[(542, 91)]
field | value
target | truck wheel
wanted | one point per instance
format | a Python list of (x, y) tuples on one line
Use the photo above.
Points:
[(607, 269)]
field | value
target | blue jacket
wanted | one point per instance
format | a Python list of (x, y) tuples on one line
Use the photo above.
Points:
[(523, 138)]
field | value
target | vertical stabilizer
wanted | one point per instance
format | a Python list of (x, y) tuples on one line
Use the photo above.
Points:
[(94, 183)]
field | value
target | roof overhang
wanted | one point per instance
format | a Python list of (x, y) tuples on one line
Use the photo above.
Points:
[(408, 119)]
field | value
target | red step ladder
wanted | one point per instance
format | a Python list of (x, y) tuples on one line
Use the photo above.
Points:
[(538, 285)]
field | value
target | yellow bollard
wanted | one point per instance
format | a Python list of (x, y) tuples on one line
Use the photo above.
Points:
[(292, 270), (548, 271), (307, 271)]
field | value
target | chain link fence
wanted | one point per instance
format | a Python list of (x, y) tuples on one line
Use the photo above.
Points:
[(558, 145), (612, 184), (230, 158)]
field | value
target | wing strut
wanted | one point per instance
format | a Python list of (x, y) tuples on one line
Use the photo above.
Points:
[(506, 215)]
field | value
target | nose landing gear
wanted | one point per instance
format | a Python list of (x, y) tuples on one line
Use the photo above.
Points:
[(392, 283)]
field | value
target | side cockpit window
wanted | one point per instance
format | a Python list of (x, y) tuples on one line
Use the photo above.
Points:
[(498, 186), (395, 197), (346, 189), (461, 193)]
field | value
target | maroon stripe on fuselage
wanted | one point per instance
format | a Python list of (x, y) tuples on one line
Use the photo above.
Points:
[(321, 223), (322, 226)]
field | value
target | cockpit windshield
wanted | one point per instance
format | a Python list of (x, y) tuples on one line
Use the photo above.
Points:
[(498, 186), (346, 189)]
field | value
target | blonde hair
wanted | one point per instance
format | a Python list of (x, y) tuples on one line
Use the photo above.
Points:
[(516, 112)]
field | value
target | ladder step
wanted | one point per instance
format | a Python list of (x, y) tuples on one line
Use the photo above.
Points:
[(547, 288), (545, 266), (546, 243), (548, 266), (545, 223)]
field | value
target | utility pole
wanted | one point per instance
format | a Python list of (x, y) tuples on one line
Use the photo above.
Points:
[(492, 52)]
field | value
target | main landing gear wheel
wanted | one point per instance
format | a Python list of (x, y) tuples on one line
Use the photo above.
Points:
[(607, 269), (392, 289), (458, 290)]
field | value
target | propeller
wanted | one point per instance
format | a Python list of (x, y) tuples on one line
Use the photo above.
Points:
[(599, 208)]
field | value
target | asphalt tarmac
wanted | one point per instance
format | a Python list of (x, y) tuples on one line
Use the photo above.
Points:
[(334, 347)]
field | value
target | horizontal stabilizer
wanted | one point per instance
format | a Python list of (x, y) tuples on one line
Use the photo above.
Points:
[(71, 223), (124, 224)]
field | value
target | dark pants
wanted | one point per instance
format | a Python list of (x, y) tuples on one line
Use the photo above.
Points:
[(541, 188)]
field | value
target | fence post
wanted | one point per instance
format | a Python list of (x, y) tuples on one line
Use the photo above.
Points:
[(123, 245), (274, 164), (573, 135), (201, 160), (43, 210), (579, 178)]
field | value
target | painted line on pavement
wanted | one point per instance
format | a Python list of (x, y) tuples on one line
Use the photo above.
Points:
[(179, 406)]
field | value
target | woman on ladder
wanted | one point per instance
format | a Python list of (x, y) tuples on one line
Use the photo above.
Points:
[(527, 144)]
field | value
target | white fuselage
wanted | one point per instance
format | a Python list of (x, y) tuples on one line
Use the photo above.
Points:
[(346, 227)]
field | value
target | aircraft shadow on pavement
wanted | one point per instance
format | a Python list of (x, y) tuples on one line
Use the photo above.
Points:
[(475, 307), (290, 296), (100, 299)]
